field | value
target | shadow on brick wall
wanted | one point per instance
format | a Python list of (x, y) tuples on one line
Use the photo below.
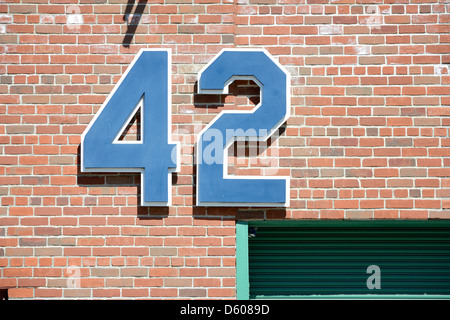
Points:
[(132, 19), (121, 190), (242, 95)]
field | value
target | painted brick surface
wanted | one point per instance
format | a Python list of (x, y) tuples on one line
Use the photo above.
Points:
[(368, 137)]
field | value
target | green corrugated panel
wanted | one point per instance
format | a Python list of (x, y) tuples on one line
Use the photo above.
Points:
[(333, 259)]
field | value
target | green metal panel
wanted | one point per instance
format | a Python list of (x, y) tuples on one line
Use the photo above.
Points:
[(242, 281), (331, 258)]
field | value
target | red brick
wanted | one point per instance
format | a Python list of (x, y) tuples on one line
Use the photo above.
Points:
[(369, 118), (21, 293), (346, 204)]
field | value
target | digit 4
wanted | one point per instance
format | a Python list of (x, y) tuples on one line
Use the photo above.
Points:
[(146, 85)]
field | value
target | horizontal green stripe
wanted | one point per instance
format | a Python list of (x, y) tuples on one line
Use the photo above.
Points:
[(347, 290), (307, 276), (342, 259), (351, 297), (368, 224), (392, 232)]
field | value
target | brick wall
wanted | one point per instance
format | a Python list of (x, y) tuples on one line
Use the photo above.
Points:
[(368, 137)]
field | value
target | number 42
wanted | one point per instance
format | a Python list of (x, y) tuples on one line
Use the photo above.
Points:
[(146, 86)]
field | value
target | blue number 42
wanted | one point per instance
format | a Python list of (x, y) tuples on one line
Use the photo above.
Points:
[(146, 86)]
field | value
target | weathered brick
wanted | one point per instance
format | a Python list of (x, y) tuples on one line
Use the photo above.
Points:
[(366, 138)]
